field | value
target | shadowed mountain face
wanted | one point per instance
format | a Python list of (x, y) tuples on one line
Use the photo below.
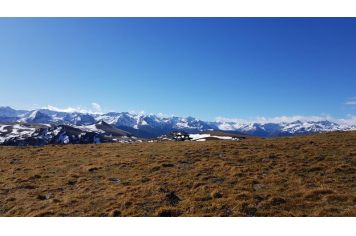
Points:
[(151, 126)]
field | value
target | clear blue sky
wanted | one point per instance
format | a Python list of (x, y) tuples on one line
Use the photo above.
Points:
[(200, 67)]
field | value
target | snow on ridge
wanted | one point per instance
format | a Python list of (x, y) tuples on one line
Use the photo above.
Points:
[(17, 131), (201, 137), (63, 138), (90, 128)]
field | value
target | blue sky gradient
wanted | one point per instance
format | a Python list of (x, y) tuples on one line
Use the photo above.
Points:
[(200, 67)]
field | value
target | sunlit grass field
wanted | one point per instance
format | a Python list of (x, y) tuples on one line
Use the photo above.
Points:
[(312, 175)]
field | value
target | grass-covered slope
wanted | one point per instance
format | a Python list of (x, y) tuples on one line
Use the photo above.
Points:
[(311, 175)]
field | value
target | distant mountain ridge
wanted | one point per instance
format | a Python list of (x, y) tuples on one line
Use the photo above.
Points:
[(151, 126), (22, 134)]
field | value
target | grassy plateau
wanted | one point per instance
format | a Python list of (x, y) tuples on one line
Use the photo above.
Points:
[(312, 175)]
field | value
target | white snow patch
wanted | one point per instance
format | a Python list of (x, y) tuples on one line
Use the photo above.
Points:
[(223, 137), (63, 138), (18, 131), (90, 128), (2, 128), (56, 131), (197, 137)]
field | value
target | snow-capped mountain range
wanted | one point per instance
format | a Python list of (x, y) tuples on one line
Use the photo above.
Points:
[(284, 128), (151, 126)]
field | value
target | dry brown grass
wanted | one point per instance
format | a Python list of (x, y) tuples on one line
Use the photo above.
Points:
[(311, 175)]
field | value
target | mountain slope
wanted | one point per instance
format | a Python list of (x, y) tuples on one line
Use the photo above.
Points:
[(7, 114), (22, 134)]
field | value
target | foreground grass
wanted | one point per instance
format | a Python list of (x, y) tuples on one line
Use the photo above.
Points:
[(295, 176)]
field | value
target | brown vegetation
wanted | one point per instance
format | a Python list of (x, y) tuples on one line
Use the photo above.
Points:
[(312, 175)]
